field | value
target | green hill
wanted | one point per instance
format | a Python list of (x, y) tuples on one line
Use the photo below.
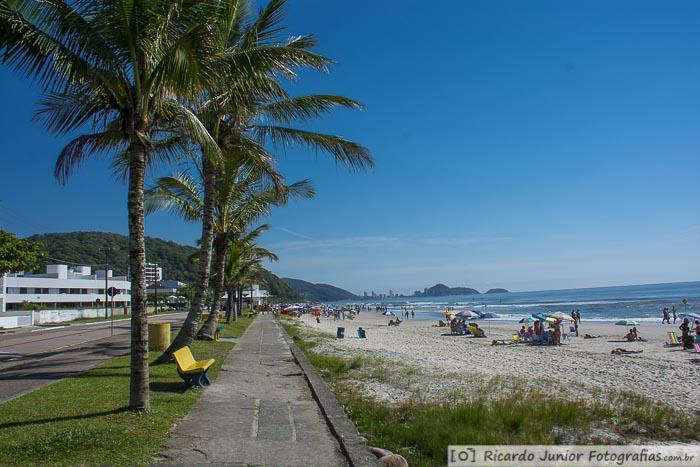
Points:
[(320, 292), (98, 248)]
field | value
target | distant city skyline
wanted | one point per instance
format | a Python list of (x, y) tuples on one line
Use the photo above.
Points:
[(524, 145)]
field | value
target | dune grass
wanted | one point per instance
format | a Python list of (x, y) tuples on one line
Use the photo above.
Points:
[(84, 420), (421, 430)]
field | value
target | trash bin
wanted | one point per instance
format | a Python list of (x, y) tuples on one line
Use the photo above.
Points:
[(158, 336), (340, 333)]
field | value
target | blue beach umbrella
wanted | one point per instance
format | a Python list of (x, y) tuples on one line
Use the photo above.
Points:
[(627, 322), (691, 316), (528, 319)]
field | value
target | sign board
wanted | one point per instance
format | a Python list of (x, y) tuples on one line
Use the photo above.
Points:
[(112, 291)]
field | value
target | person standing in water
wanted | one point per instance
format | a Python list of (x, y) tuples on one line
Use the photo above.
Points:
[(673, 312), (413, 314)]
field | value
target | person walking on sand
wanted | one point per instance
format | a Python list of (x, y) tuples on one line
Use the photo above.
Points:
[(665, 317), (673, 312), (413, 315)]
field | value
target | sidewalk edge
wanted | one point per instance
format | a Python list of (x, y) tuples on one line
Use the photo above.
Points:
[(352, 445)]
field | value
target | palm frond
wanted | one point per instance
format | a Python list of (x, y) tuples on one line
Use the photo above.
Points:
[(346, 152), (306, 107), (83, 147)]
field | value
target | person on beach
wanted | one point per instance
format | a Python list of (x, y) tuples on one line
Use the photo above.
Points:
[(665, 317), (556, 335), (631, 336), (621, 351), (673, 312), (697, 328), (685, 333), (413, 315)]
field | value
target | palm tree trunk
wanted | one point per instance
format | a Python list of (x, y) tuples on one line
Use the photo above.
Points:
[(220, 247), (189, 327), (239, 291), (230, 313), (139, 383)]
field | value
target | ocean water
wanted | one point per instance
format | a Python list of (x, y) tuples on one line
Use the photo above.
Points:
[(639, 302)]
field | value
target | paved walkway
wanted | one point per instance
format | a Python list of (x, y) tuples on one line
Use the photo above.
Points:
[(259, 411)]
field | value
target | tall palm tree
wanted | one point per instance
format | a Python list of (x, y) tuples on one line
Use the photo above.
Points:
[(243, 35), (121, 68)]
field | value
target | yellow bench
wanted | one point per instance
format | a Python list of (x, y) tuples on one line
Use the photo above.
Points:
[(193, 372)]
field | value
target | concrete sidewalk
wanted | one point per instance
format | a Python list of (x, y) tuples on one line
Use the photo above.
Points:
[(259, 411)]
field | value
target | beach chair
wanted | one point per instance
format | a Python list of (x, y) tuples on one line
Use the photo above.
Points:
[(193, 372), (673, 340)]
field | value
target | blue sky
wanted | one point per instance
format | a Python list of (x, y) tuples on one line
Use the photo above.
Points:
[(524, 144)]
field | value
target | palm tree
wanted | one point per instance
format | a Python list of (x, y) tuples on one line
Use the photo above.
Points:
[(243, 266), (124, 69), (228, 111), (242, 194)]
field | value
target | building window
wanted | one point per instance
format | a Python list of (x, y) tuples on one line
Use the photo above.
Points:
[(23, 290)]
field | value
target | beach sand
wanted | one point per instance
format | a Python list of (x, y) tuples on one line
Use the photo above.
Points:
[(582, 368)]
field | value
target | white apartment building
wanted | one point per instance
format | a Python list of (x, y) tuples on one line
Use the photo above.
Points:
[(154, 273), (62, 288)]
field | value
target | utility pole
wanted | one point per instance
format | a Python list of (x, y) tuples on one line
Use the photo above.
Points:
[(106, 287)]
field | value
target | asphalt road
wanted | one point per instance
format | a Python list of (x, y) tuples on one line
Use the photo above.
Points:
[(30, 360)]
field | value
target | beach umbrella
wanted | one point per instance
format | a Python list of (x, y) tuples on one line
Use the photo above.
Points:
[(692, 317), (388, 313), (560, 315), (543, 317), (527, 319), (627, 322), (467, 314), (448, 313)]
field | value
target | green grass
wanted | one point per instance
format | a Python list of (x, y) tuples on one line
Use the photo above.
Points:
[(84, 420), (421, 430)]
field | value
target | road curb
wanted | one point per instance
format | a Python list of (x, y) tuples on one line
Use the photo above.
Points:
[(351, 443)]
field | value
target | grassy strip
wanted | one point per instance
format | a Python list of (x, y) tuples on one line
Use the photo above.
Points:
[(421, 430), (84, 420)]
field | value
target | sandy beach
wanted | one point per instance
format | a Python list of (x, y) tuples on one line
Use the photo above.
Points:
[(580, 368)]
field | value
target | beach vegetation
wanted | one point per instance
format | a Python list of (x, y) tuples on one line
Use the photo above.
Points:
[(491, 411)]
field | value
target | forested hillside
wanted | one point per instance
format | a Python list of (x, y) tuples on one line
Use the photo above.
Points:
[(98, 248)]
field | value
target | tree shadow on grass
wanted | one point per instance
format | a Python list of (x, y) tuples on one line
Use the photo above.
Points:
[(62, 419), (177, 387)]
